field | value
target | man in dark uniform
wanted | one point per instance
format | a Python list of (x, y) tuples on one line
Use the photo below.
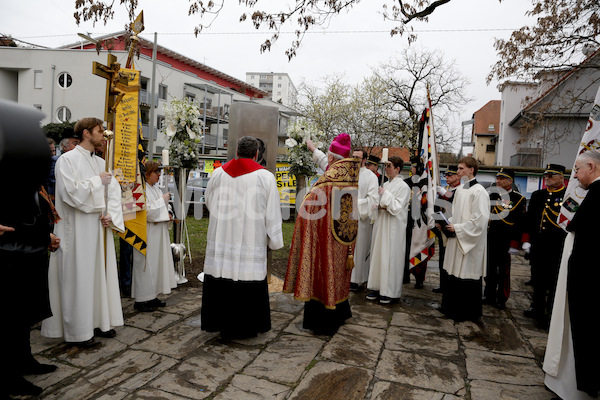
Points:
[(447, 194), (507, 216), (546, 239), (372, 163)]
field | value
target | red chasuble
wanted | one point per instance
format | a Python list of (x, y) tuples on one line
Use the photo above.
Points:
[(326, 227)]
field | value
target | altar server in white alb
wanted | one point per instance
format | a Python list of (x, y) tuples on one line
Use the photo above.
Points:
[(154, 274), (465, 260), (245, 221), (368, 197), (389, 236), (83, 281)]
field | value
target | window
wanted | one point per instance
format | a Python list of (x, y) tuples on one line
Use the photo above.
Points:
[(279, 85), (279, 77), (490, 148), (160, 120), (63, 114), (64, 80), (144, 84), (162, 91), (190, 96), (491, 127), (144, 116), (251, 76), (37, 79)]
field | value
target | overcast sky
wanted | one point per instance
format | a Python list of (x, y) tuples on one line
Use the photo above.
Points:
[(353, 43)]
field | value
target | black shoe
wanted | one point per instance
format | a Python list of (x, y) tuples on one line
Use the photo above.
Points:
[(126, 291), (36, 368), (143, 307), (111, 333), (20, 386), (530, 313), (157, 303), (373, 295), (542, 323), (354, 287), (437, 289), (419, 285), (488, 301), (529, 282)]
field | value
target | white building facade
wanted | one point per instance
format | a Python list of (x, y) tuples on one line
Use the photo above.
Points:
[(278, 84), (60, 83)]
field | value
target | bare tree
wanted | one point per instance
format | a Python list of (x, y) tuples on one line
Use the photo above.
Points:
[(563, 30), (408, 77), (304, 14), (385, 108), (560, 54)]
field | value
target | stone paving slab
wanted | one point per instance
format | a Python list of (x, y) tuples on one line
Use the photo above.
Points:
[(244, 387), (355, 345), (423, 322), (332, 381), (495, 334), (286, 359), (498, 391), (422, 341), (177, 341), (153, 321), (492, 367), (394, 391), (370, 314), (420, 371), (203, 373), (87, 357), (406, 350)]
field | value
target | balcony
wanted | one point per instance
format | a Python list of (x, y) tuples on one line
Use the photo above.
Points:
[(145, 99), (527, 157)]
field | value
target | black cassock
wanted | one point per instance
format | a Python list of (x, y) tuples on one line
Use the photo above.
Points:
[(582, 291)]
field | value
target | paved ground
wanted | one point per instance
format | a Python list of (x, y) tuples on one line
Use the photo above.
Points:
[(400, 351)]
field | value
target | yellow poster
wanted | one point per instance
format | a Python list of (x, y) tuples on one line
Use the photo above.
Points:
[(126, 130), (208, 166), (126, 163), (286, 184)]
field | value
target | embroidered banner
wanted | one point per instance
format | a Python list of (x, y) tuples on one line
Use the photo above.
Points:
[(574, 194)]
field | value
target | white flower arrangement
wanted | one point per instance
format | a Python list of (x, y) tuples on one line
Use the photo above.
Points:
[(300, 157), (184, 128)]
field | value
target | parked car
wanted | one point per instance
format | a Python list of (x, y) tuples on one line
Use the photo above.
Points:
[(196, 187)]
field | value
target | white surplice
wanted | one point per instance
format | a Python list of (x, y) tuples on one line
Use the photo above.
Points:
[(155, 273), (388, 244), (245, 219), (84, 289), (368, 198), (466, 254)]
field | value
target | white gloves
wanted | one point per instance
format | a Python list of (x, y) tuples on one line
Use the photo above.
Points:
[(441, 191), (527, 247), (512, 250)]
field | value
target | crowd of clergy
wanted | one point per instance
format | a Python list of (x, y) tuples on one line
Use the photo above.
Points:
[(335, 249)]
